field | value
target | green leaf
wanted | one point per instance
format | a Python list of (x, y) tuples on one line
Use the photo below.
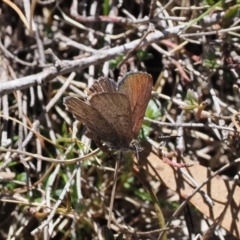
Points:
[(114, 62), (144, 195), (211, 2), (120, 237), (191, 98), (231, 13), (190, 107), (108, 234), (22, 177), (144, 55), (106, 7), (153, 111)]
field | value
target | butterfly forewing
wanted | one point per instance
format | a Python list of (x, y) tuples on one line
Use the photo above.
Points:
[(115, 108), (137, 86), (91, 118)]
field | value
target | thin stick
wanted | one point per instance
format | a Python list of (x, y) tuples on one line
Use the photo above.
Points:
[(151, 29), (114, 188)]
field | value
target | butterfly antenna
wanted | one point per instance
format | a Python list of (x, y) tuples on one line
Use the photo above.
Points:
[(136, 147)]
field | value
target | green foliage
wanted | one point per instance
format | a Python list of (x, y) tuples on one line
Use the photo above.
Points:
[(196, 20), (15, 138), (152, 112), (10, 186), (128, 182), (141, 55), (114, 62), (191, 100), (144, 55), (211, 62), (120, 237), (106, 7), (22, 177), (143, 194), (212, 2), (231, 13), (108, 235)]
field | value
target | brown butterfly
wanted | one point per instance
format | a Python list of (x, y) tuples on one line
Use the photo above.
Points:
[(113, 112)]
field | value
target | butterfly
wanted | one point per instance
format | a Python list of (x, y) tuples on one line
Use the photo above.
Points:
[(113, 112)]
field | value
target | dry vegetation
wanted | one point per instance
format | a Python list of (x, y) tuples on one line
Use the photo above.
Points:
[(50, 49)]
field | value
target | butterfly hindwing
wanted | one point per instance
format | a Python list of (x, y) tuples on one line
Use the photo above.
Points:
[(103, 84), (115, 108)]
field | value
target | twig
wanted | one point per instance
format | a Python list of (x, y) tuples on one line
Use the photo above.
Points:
[(61, 197), (175, 214), (69, 161), (48, 107), (117, 164), (150, 30), (65, 67), (190, 125)]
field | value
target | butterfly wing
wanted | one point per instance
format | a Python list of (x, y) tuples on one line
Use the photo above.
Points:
[(91, 118), (103, 84), (115, 108), (138, 87)]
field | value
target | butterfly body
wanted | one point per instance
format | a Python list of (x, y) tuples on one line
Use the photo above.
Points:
[(113, 113)]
